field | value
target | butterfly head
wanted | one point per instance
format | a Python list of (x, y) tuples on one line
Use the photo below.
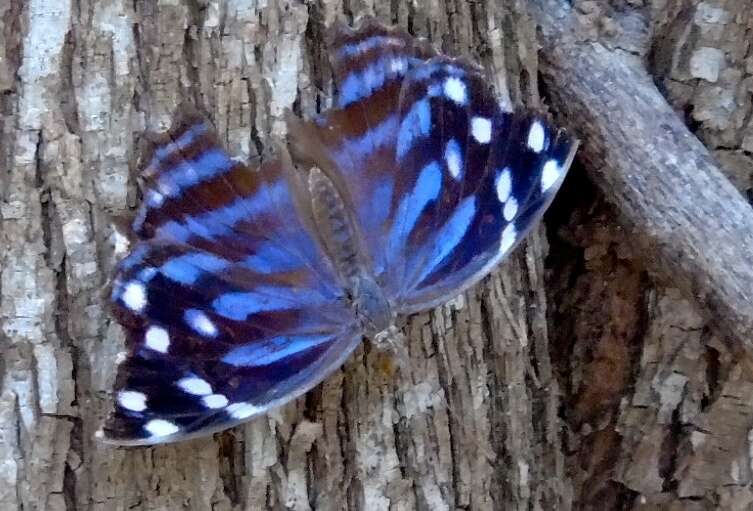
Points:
[(371, 306)]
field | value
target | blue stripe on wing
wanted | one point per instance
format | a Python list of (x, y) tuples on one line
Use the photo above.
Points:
[(361, 84), (354, 150), (239, 306), (449, 236), (208, 165), (357, 49), (274, 349), (415, 124), (182, 142), (187, 268), (221, 221), (412, 206), (270, 258)]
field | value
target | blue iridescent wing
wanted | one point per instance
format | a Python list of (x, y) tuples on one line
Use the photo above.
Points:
[(442, 182), (354, 144), (229, 305), (484, 177)]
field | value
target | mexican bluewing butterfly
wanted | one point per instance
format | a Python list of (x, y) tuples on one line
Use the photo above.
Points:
[(245, 288)]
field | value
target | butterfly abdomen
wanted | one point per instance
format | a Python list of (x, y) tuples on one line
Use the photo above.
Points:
[(334, 226), (340, 240)]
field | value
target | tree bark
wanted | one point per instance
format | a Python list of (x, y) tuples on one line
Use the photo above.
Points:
[(591, 384)]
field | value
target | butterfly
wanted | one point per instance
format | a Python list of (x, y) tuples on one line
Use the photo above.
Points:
[(245, 287)]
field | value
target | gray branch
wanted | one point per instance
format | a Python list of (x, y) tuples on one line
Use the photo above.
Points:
[(689, 224)]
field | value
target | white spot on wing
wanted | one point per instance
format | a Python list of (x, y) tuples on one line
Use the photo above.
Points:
[(214, 401), (511, 209), (504, 185), (536, 137), (157, 339), (200, 323), (453, 159), (242, 410), (194, 385), (134, 296), (161, 427), (549, 175), (509, 234), (481, 129), (454, 89), (132, 400)]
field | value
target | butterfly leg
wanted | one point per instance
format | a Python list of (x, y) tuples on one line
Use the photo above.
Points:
[(393, 341)]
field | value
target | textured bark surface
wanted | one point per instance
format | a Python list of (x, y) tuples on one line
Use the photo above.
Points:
[(591, 384)]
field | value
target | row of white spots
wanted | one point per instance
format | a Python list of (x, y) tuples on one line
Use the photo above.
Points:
[(510, 209), (157, 338), (481, 129), (239, 411), (536, 137), (134, 297), (136, 401), (200, 387)]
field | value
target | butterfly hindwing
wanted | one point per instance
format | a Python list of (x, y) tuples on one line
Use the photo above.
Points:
[(229, 304)]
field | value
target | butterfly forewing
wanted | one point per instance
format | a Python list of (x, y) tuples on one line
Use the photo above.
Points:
[(516, 189), (442, 182), (442, 164), (354, 143), (367, 60), (229, 304)]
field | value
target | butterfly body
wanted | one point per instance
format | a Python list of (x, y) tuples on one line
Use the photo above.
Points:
[(370, 305), (245, 288)]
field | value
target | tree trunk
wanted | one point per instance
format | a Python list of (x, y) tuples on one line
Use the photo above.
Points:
[(613, 379)]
